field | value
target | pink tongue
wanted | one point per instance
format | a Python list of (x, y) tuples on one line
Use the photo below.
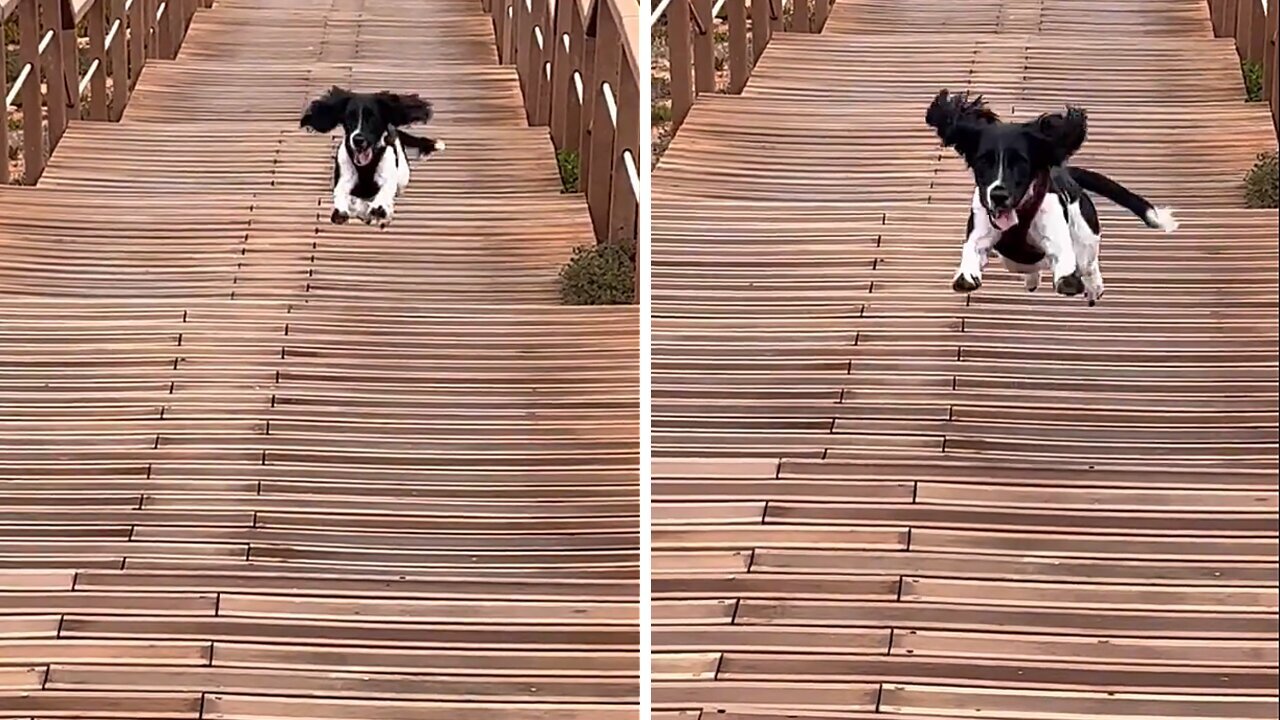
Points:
[(1006, 219), (364, 157)]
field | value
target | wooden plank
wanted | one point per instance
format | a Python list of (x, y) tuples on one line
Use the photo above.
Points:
[(335, 685), (220, 706), (1007, 703), (504, 662)]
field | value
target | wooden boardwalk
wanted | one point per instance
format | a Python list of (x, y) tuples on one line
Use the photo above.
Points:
[(256, 466), (875, 497)]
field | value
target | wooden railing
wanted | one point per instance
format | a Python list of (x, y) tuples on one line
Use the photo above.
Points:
[(579, 69), (1253, 26), (750, 24), (119, 35)]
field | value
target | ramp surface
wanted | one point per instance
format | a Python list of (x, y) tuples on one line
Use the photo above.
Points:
[(254, 465), (875, 497)]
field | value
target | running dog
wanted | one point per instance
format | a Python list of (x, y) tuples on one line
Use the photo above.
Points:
[(1028, 206), (371, 166)]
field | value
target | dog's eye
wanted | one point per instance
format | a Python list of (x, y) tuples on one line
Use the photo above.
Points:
[(987, 158)]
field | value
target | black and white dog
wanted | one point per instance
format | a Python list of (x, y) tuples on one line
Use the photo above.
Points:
[(371, 167), (1028, 206)]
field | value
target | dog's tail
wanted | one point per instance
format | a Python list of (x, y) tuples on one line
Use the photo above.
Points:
[(1099, 184), (424, 146)]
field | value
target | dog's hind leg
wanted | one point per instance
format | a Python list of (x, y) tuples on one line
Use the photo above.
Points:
[(1088, 247), (423, 146), (1086, 237), (1051, 228), (1030, 273)]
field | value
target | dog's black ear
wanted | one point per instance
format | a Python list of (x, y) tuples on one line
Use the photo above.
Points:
[(959, 120), (326, 112), (403, 110), (1057, 136)]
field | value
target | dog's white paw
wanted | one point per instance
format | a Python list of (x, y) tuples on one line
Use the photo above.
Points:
[(964, 282), (1161, 219), (1093, 288)]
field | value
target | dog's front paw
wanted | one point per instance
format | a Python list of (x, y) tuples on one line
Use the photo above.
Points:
[(964, 283), (1069, 285), (381, 215), (337, 217)]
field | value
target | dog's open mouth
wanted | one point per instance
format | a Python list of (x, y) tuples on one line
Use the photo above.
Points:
[(364, 157), (1004, 219)]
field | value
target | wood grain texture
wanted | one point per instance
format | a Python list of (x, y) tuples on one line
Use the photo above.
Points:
[(919, 504), (254, 465)]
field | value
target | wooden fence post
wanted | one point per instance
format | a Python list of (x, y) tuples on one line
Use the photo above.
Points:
[(119, 55), (704, 48), (99, 22), (56, 89), (1270, 61), (32, 115), (70, 56), (739, 66), (680, 55), (761, 30), (598, 170), (4, 122), (564, 95)]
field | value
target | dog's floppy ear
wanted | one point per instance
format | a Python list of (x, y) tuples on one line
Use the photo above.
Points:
[(959, 120), (325, 113), (403, 110), (1057, 136)]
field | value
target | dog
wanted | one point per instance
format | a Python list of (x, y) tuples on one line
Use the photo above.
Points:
[(371, 166), (1028, 206)]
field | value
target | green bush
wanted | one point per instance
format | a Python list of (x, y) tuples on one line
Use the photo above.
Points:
[(603, 274), (1260, 185), (568, 162), (1252, 72), (12, 66), (661, 112)]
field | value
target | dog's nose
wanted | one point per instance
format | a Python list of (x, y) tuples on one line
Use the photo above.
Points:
[(999, 196), (358, 142)]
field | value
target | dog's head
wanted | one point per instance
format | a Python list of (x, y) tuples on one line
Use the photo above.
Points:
[(366, 118), (1006, 158)]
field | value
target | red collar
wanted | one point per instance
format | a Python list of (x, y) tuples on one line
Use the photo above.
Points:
[(1032, 201)]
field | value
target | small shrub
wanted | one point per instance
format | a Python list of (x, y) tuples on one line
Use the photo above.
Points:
[(661, 113), (1252, 72), (1260, 185), (12, 66), (603, 274), (568, 162)]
